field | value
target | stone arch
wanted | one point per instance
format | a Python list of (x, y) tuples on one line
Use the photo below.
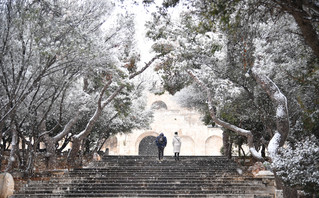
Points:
[(188, 146), (142, 136), (110, 146), (213, 145), (147, 146), (159, 105)]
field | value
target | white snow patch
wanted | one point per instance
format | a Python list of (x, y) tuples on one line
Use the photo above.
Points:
[(239, 171), (280, 112), (265, 173), (274, 145), (255, 153)]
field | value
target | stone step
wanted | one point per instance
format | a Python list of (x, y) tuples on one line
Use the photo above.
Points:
[(158, 190), (165, 188), (144, 176), (199, 161), (187, 157), (148, 173), (161, 164), (123, 195), (183, 159), (204, 178), (142, 184), (163, 168), (145, 170), (156, 171), (181, 179), (144, 187)]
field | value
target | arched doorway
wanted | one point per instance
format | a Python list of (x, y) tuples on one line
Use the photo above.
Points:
[(147, 146), (159, 105), (188, 146), (213, 145)]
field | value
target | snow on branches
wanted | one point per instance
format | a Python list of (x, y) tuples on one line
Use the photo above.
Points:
[(298, 164)]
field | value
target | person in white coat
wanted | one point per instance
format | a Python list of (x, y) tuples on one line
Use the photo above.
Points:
[(176, 146)]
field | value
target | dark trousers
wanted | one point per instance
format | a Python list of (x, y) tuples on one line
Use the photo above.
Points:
[(176, 156), (160, 152)]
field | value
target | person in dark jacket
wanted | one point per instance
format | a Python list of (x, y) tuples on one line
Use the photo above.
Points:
[(161, 142)]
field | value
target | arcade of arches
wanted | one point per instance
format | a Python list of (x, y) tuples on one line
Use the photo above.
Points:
[(169, 117)]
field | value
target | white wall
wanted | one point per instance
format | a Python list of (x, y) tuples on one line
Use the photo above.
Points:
[(197, 139)]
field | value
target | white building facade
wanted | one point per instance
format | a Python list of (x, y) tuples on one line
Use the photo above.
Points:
[(169, 117)]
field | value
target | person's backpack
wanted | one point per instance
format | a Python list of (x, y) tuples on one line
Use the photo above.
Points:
[(161, 140)]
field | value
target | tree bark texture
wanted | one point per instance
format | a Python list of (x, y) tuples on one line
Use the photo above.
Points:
[(227, 148), (305, 14), (50, 155)]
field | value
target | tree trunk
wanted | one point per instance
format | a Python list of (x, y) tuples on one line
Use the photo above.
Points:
[(66, 141), (242, 150), (72, 158), (99, 145), (77, 139), (13, 151), (279, 101), (288, 192), (30, 162), (1, 146), (227, 148), (263, 153), (86, 146), (50, 142), (308, 31), (308, 28), (50, 155)]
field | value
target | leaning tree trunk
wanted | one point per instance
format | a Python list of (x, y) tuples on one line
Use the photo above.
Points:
[(77, 139), (304, 13), (279, 101), (282, 126), (50, 142)]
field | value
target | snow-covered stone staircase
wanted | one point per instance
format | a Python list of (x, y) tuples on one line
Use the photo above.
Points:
[(138, 176)]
